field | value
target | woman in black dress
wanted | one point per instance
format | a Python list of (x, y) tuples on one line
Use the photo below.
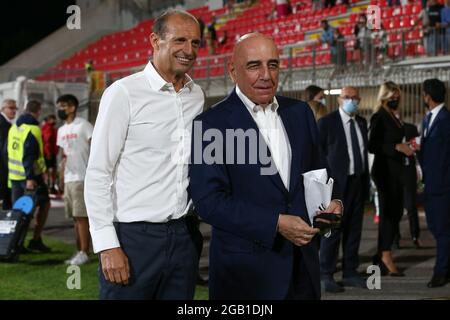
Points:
[(386, 142)]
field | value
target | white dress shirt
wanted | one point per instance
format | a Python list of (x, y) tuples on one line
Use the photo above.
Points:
[(143, 125), (272, 129), (346, 123), (434, 113)]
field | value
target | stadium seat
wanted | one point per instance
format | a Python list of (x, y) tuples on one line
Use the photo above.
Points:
[(131, 48)]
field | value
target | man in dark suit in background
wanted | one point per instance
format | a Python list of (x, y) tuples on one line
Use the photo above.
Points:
[(435, 161), (7, 116), (262, 245), (343, 138), (410, 189)]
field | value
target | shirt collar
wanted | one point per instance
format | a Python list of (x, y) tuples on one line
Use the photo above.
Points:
[(6, 118), (436, 110), (158, 83), (252, 107), (344, 116)]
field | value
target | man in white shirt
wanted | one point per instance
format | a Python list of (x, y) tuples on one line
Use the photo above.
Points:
[(137, 176), (263, 245), (343, 138), (74, 139)]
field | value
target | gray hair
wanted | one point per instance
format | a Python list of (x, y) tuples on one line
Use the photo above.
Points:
[(7, 102), (160, 25)]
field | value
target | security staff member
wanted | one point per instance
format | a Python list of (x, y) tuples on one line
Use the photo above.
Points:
[(26, 166)]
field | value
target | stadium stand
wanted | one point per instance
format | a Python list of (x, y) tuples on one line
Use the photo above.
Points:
[(119, 53)]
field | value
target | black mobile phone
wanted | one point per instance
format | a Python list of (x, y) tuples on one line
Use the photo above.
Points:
[(333, 219)]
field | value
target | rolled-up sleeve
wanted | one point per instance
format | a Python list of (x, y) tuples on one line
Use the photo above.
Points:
[(108, 140)]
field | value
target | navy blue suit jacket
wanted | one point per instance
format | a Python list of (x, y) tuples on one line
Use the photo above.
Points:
[(249, 259), (434, 155), (335, 149)]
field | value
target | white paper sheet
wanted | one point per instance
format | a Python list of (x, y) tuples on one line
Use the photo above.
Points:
[(318, 190)]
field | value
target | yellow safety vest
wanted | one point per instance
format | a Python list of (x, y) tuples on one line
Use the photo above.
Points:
[(16, 142)]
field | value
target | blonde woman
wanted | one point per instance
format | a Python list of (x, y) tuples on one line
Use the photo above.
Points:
[(391, 153)]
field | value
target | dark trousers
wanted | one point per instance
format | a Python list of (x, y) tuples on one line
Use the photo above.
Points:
[(391, 210), (163, 262), (302, 287), (6, 197), (410, 200), (437, 210), (350, 233)]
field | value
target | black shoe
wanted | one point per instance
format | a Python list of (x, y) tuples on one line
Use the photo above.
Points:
[(437, 281), (355, 281), (201, 281), (329, 285), (24, 250), (38, 245), (385, 271), (417, 243)]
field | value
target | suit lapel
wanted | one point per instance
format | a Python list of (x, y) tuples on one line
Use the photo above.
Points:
[(342, 138), (436, 120), (296, 160), (240, 118)]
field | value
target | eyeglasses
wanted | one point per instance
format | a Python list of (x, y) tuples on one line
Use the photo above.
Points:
[(357, 99), (12, 108)]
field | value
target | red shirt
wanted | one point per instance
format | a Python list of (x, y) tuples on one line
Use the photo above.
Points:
[(49, 134)]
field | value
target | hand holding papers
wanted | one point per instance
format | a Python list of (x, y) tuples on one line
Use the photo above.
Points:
[(318, 190)]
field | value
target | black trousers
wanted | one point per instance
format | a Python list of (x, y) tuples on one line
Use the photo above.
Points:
[(391, 211), (163, 262), (5, 195), (350, 233), (302, 287), (410, 199), (437, 212)]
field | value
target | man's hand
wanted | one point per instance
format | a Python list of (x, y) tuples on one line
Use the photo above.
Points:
[(31, 184), (296, 230), (335, 206), (405, 149), (115, 266)]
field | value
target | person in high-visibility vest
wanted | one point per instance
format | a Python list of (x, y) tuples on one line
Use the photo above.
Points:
[(26, 165)]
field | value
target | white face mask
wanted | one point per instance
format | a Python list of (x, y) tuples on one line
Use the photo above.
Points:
[(323, 101), (350, 106)]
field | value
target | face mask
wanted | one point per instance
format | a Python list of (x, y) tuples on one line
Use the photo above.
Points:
[(323, 101), (62, 114), (393, 104), (350, 106)]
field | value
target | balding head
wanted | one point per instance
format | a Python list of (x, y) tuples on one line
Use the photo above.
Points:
[(350, 91), (255, 67)]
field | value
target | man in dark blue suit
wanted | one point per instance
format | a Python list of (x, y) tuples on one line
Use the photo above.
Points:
[(343, 138), (434, 158), (247, 183)]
